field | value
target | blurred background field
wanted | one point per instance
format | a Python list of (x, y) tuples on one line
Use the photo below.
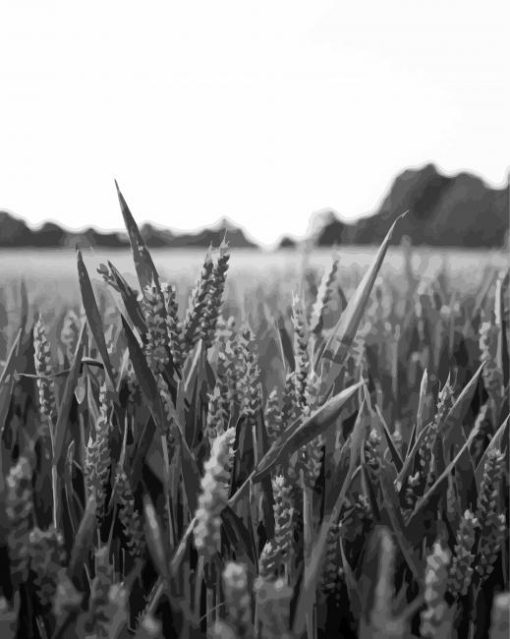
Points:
[(51, 274)]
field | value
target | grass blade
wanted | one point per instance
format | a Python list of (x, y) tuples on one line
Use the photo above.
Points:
[(83, 540), (154, 538), (459, 410), (94, 318), (130, 299), (145, 269), (301, 432), (437, 485), (503, 353), (144, 375), (310, 583), (395, 455), (7, 381), (67, 399), (346, 328)]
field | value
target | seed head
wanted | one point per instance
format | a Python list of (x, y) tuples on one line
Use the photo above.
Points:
[(324, 295), (301, 355), (492, 523), (283, 523), (20, 514), (269, 561), (70, 333), (291, 407), (444, 405), (310, 460), (273, 599), (67, 599), (97, 619), (44, 371), (214, 495), (492, 374), (434, 617), (129, 517), (173, 323), (331, 569), (249, 377), (215, 300), (216, 418), (227, 364), (46, 559), (157, 342), (194, 326), (461, 569), (238, 600), (98, 460), (273, 416), (500, 617)]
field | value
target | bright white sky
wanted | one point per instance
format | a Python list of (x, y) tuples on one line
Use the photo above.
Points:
[(261, 111)]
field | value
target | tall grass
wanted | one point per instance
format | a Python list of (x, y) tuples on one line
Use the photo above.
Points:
[(336, 466)]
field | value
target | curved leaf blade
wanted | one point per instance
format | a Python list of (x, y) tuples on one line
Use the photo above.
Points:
[(303, 431)]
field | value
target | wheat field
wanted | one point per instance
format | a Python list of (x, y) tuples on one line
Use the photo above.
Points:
[(303, 450)]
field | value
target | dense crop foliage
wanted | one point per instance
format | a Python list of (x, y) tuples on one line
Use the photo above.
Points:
[(331, 462)]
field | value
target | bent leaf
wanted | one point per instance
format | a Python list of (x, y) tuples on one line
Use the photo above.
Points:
[(346, 328), (303, 431)]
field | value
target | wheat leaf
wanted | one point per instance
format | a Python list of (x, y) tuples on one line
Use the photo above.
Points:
[(346, 328), (145, 269), (303, 431), (94, 318), (67, 398), (7, 381)]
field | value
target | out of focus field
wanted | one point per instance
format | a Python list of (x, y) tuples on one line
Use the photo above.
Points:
[(51, 275)]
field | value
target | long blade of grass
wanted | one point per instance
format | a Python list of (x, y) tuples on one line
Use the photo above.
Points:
[(458, 411), (144, 375), (303, 431), (395, 455), (343, 334), (391, 512), (154, 538), (83, 540), (67, 399), (24, 306), (7, 381), (285, 344), (130, 299), (440, 481), (239, 537), (145, 269), (94, 319), (503, 353), (423, 400), (353, 590)]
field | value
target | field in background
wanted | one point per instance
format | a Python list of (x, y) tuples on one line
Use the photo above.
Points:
[(51, 274)]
